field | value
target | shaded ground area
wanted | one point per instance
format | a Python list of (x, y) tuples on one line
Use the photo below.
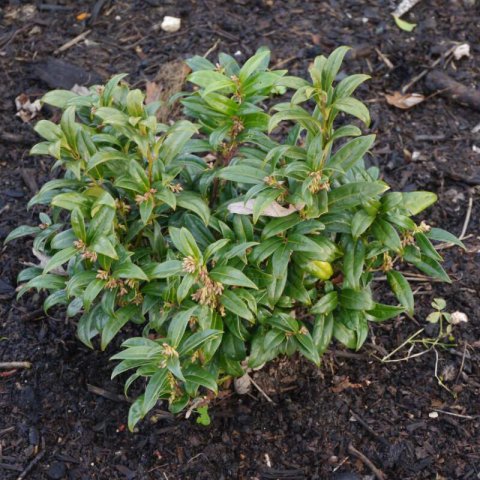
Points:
[(48, 414)]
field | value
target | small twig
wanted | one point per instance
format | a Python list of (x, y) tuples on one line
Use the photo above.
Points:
[(197, 402), (284, 62), (340, 464), (467, 218), (385, 59), (408, 357), (6, 430), (377, 472), (367, 427), (32, 464), (439, 380), (255, 384), (408, 340), (8, 365), (467, 417), (211, 49), (426, 70), (72, 42), (462, 364), (355, 356), (411, 277), (463, 234), (106, 394), (12, 36)]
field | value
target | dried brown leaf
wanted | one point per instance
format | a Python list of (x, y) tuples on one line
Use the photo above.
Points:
[(405, 101), (343, 383)]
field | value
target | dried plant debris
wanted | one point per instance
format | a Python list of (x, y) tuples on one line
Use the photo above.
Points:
[(26, 109), (404, 101)]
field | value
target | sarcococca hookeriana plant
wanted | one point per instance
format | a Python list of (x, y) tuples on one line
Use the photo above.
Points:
[(229, 245)]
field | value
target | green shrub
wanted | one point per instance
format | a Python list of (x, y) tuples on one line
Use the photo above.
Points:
[(229, 246)]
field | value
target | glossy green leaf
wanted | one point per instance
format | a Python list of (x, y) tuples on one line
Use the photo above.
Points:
[(326, 304), (352, 194), (163, 270), (231, 276), (115, 323), (353, 107), (233, 303), (61, 257), (178, 325), (441, 235), (402, 290), (415, 202), (356, 299), (22, 231)]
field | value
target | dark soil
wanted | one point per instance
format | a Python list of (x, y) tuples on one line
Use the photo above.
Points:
[(384, 410)]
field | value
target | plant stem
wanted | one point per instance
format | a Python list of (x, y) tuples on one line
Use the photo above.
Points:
[(150, 165)]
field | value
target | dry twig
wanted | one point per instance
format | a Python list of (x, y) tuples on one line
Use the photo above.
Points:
[(106, 394), (72, 42), (255, 384), (8, 365), (377, 472), (415, 79), (32, 464)]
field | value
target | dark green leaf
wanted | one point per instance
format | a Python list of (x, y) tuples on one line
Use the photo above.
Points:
[(356, 299), (443, 236), (178, 325), (233, 303), (163, 270), (326, 304), (231, 276), (402, 290)]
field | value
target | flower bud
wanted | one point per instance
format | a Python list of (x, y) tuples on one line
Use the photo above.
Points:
[(319, 269)]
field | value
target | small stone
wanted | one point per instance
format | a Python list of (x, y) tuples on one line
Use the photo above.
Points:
[(243, 385), (461, 51), (171, 24), (56, 471), (433, 414)]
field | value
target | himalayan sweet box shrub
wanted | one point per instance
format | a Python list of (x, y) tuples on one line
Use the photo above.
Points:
[(237, 234)]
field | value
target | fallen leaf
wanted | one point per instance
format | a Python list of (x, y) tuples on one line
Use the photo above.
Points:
[(403, 25), (406, 101), (44, 260), (167, 82), (343, 383), (153, 92), (27, 110), (273, 210)]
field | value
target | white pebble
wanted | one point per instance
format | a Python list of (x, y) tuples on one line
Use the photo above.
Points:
[(461, 51), (170, 24)]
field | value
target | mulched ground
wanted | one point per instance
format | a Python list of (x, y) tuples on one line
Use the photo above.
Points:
[(49, 415)]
